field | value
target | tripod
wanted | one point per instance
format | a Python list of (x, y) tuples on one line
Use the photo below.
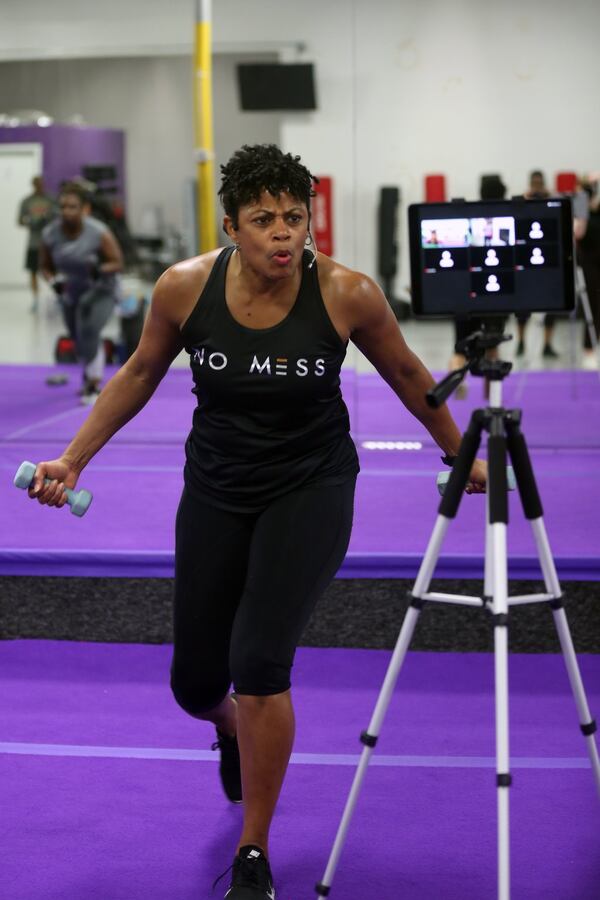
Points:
[(503, 427), (583, 300)]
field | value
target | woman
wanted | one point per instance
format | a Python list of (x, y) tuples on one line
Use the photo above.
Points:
[(80, 257), (266, 513)]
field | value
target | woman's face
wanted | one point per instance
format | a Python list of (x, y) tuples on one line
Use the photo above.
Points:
[(71, 209), (271, 234)]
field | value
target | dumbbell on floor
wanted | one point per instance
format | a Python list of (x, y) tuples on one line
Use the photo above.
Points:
[(79, 501)]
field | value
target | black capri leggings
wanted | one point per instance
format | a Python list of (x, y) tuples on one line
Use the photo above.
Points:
[(245, 587)]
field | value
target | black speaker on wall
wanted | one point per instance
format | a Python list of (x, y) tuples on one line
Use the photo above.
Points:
[(273, 86)]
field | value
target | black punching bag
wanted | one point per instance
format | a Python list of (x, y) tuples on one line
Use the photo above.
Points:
[(387, 226), (387, 246)]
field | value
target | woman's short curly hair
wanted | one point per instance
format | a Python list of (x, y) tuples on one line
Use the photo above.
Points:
[(263, 167)]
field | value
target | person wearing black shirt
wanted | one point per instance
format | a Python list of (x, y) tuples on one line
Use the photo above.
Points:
[(266, 512)]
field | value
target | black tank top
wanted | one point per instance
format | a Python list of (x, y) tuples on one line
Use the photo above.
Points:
[(270, 414)]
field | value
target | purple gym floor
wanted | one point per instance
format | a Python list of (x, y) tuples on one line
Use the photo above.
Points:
[(136, 480), (110, 792)]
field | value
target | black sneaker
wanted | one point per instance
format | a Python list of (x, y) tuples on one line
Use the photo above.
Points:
[(549, 352), (229, 768), (251, 877), (89, 392), (89, 396)]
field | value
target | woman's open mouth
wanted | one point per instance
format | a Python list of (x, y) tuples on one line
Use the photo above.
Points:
[(282, 257)]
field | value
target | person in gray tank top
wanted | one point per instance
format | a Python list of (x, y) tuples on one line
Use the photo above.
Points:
[(266, 324), (80, 258)]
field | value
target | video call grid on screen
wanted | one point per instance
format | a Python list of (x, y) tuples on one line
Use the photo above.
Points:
[(490, 257)]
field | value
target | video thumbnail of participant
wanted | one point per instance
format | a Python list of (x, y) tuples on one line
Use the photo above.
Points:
[(496, 231), (445, 233)]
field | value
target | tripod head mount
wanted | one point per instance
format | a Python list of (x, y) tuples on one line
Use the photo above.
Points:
[(476, 343), (474, 348)]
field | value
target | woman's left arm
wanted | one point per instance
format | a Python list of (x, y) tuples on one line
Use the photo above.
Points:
[(375, 332)]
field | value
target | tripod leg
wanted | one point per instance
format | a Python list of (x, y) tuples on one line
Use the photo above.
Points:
[(582, 295), (532, 506), (447, 511), (488, 582), (369, 740), (573, 330), (461, 469), (586, 723), (498, 520)]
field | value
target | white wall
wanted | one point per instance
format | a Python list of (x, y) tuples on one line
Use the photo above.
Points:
[(37, 29), (468, 88), (151, 100), (19, 163), (404, 88)]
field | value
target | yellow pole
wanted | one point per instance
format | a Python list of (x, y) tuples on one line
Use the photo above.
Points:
[(204, 151)]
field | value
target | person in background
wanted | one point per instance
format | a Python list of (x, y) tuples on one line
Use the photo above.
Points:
[(110, 210), (80, 257), (581, 211), (35, 212), (537, 190), (588, 257)]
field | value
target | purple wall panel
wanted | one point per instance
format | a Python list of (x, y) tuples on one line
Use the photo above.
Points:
[(69, 147)]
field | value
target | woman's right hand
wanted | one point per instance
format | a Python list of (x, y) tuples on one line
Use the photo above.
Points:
[(61, 476)]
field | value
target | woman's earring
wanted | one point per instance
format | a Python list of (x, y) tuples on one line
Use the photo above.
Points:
[(236, 246), (311, 241)]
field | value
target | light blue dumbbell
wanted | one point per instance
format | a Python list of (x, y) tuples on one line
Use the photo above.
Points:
[(442, 479), (77, 500)]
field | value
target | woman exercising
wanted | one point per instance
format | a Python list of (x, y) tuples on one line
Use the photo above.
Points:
[(80, 257), (266, 512)]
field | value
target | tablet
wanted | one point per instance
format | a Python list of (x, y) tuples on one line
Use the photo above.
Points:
[(491, 257)]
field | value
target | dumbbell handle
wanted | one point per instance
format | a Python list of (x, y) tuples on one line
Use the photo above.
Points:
[(79, 501), (442, 479)]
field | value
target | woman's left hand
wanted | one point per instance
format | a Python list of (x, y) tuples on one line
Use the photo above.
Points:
[(477, 478)]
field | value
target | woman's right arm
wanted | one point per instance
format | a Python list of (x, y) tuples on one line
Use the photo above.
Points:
[(126, 392)]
